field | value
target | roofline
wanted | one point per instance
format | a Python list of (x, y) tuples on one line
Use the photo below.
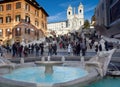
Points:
[(36, 5), (33, 3), (44, 11), (4, 1), (57, 22)]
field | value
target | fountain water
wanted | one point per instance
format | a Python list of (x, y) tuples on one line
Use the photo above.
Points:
[(59, 76), (48, 65), (48, 58), (22, 60), (83, 62), (63, 59), (43, 58)]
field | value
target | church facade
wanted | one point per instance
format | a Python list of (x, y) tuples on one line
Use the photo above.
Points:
[(75, 21)]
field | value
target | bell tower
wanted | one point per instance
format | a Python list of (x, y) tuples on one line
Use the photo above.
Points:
[(69, 12), (81, 10), (81, 14)]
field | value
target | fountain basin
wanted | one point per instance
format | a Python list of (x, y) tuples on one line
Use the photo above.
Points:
[(71, 76), (48, 65)]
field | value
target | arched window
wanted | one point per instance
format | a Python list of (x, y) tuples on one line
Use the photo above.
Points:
[(80, 11), (69, 13)]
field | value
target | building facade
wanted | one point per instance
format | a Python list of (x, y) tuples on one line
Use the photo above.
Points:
[(19, 19), (57, 27), (74, 21), (108, 18)]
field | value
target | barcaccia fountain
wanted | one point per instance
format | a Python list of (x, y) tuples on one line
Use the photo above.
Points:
[(49, 74)]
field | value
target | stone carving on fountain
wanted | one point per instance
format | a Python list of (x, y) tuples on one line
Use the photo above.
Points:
[(48, 64), (6, 66), (101, 61)]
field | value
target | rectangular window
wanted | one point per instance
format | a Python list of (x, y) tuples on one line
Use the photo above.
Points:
[(1, 20), (36, 23), (42, 25), (115, 12), (18, 5), (8, 7), (25, 30), (1, 7), (28, 31), (27, 19), (8, 19), (1, 32), (7, 32), (18, 17), (42, 15), (27, 7), (18, 32), (36, 13)]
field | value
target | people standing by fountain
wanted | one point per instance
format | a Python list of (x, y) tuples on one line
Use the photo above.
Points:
[(50, 50), (96, 46), (25, 51), (78, 49), (20, 50), (37, 49), (69, 48), (83, 47), (54, 47), (32, 48), (106, 45), (42, 48), (1, 51), (14, 49)]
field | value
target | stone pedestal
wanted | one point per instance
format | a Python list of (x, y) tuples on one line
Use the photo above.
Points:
[(48, 65)]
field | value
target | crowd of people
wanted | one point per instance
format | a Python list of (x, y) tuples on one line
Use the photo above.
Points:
[(74, 43)]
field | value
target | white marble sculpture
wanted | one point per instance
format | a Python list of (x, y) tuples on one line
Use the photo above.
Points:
[(101, 61)]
